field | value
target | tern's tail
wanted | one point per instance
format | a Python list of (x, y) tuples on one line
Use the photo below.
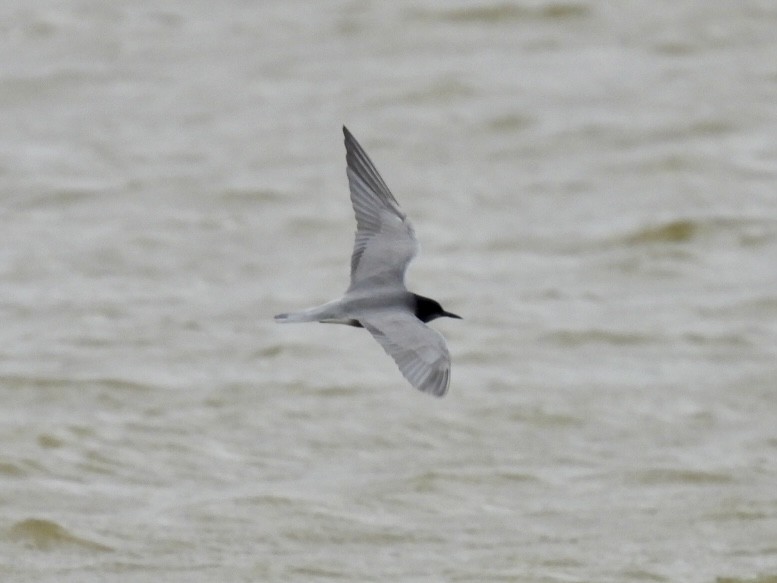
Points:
[(295, 317), (310, 315), (330, 311)]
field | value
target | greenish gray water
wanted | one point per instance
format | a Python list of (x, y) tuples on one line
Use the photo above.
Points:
[(594, 187)]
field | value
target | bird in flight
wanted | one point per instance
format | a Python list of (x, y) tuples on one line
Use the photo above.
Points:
[(377, 298)]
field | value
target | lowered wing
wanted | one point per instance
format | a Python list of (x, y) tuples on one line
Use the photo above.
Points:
[(419, 351)]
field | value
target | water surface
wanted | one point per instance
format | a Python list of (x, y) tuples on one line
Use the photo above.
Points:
[(593, 185)]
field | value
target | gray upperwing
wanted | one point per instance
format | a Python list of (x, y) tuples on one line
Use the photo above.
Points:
[(385, 241), (419, 351)]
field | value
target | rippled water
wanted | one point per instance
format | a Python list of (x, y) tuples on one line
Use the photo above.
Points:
[(595, 188)]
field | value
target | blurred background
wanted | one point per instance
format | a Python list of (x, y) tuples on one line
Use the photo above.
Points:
[(593, 185)]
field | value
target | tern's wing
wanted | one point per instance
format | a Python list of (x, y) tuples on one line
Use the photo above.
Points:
[(419, 351), (385, 241)]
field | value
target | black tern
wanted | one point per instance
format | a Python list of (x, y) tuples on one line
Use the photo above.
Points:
[(377, 298)]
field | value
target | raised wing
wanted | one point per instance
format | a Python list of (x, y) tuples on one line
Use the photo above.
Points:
[(385, 241), (419, 351)]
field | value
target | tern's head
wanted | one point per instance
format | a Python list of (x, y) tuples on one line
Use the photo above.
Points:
[(427, 309)]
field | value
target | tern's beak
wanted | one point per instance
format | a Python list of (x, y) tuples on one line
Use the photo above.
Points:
[(449, 315)]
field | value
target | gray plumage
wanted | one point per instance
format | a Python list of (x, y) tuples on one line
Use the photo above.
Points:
[(377, 298)]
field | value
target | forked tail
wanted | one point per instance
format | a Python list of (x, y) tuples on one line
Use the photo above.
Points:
[(295, 317), (326, 312), (310, 315)]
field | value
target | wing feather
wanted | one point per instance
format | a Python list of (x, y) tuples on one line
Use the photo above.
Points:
[(419, 351), (385, 241)]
